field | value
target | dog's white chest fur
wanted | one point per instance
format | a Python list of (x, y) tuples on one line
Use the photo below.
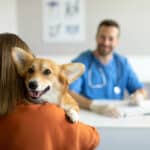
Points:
[(52, 96)]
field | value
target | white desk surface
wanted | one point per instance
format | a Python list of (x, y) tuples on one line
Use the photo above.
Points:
[(101, 121), (98, 120)]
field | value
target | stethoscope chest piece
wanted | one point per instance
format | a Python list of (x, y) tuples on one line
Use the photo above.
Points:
[(117, 90)]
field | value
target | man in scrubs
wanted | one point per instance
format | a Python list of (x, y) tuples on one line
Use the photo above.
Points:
[(107, 75)]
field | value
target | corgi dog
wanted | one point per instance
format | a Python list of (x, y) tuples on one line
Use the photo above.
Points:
[(47, 81)]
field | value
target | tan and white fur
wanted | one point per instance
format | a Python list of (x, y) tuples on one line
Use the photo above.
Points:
[(47, 81)]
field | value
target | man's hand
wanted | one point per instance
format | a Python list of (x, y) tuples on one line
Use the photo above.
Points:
[(105, 109), (137, 97)]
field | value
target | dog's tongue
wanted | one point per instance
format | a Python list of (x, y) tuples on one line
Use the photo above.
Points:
[(34, 94)]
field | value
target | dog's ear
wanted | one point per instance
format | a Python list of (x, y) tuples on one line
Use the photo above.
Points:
[(72, 71), (21, 58)]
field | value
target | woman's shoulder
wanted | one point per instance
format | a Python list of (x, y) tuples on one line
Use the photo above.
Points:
[(40, 109), (31, 115)]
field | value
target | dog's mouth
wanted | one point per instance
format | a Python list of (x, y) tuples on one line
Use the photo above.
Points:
[(33, 94)]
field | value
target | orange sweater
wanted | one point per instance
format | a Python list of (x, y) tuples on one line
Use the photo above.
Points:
[(44, 127)]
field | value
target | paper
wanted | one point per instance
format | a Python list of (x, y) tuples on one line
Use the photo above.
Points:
[(127, 110)]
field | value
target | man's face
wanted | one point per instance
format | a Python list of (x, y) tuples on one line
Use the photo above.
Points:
[(107, 40)]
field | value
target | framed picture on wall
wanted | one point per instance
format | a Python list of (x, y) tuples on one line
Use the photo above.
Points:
[(63, 21)]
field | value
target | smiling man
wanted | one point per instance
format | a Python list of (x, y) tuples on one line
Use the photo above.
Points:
[(108, 74)]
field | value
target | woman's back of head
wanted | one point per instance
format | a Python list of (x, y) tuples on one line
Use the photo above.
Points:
[(12, 87)]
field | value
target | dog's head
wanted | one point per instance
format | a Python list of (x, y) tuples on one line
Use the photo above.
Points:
[(44, 79)]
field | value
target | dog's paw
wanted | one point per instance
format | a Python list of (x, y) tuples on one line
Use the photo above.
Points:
[(72, 115)]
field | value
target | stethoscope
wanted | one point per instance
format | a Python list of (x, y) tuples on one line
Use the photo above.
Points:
[(116, 88)]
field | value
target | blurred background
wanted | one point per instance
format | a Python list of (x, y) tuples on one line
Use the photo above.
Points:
[(25, 18)]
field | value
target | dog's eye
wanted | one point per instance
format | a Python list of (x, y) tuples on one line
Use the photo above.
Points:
[(46, 72), (30, 70)]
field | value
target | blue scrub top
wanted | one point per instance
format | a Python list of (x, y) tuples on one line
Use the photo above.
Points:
[(99, 80)]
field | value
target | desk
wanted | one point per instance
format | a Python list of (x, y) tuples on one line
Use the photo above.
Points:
[(132, 133)]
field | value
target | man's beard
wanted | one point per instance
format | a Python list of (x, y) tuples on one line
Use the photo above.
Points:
[(102, 52)]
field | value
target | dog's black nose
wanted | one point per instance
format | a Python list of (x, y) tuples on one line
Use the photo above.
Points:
[(33, 85)]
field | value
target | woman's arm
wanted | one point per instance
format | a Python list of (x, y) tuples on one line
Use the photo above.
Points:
[(88, 137)]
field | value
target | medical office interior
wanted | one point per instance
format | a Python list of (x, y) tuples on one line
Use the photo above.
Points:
[(32, 21)]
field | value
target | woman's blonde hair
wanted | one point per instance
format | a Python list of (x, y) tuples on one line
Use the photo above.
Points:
[(12, 88)]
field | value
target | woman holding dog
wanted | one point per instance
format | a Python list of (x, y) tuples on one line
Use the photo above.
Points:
[(28, 126)]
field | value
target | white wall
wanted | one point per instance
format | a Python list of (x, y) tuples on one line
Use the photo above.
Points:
[(133, 16), (8, 17), (25, 18)]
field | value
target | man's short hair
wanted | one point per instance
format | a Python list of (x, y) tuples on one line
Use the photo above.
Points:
[(108, 23)]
